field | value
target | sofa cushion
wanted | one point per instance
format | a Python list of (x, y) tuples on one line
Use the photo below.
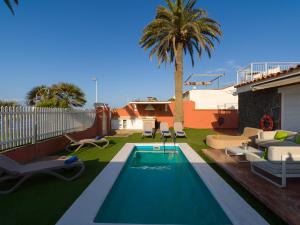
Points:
[(265, 154), (267, 135), (291, 134), (298, 139), (281, 135), (290, 149)]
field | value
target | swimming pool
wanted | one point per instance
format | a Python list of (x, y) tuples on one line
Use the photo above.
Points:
[(160, 187), (145, 185)]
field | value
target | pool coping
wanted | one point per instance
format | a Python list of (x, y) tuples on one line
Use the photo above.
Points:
[(84, 210)]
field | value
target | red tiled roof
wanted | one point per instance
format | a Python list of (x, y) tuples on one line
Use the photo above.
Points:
[(270, 76)]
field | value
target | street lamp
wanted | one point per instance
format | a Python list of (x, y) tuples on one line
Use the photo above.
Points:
[(96, 82)]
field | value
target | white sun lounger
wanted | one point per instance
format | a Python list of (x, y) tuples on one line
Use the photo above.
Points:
[(14, 170), (82, 142), (148, 130), (178, 129), (164, 130)]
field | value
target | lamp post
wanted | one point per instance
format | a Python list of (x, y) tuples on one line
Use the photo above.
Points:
[(96, 82)]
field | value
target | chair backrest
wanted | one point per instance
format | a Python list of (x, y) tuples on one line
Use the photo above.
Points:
[(178, 126), (164, 126), (70, 138), (147, 126), (9, 165)]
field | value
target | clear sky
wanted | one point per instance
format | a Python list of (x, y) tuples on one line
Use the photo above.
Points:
[(51, 41)]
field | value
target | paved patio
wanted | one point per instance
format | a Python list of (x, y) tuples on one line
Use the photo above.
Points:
[(283, 201)]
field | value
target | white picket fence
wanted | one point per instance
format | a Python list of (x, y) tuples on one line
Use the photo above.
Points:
[(25, 125)]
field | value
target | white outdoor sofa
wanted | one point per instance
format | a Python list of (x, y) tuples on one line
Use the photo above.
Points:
[(283, 161), (267, 138)]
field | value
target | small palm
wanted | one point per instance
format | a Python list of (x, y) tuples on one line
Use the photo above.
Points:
[(69, 95), (62, 95), (37, 93)]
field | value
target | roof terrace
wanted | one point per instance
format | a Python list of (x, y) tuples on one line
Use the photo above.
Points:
[(257, 70)]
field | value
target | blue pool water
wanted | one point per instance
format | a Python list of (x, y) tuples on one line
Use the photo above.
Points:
[(158, 188)]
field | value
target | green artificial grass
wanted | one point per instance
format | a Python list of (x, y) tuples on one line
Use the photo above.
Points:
[(43, 199)]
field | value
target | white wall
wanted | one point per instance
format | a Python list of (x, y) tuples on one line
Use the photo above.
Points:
[(290, 107), (211, 99), (131, 123)]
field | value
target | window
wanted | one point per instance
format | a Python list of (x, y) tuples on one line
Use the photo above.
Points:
[(124, 124)]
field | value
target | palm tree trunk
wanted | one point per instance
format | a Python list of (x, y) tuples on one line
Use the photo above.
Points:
[(178, 76)]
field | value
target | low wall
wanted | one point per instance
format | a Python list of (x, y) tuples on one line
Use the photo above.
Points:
[(193, 118), (28, 153), (204, 118)]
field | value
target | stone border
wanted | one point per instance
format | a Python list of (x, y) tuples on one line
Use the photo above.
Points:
[(86, 207)]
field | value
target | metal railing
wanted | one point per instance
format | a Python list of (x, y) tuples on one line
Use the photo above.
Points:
[(27, 125), (259, 69), (228, 106)]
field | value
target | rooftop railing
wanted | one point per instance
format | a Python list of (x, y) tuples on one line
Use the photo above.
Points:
[(259, 69)]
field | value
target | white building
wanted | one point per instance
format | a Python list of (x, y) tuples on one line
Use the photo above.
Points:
[(223, 98), (276, 94)]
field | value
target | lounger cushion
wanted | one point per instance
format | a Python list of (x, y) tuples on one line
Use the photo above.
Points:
[(9, 165), (266, 142), (46, 165)]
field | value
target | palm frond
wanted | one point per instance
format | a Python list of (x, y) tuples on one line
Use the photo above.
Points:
[(9, 5), (180, 23)]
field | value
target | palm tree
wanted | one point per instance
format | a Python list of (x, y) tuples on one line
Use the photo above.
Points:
[(62, 95), (8, 103), (68, 95), (180, 28), (9, 5), (37, 94)]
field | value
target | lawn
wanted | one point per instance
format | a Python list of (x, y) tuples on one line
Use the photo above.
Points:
[(43, 199)]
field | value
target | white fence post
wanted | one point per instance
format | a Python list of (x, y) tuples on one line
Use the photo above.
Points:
[(25, 125)]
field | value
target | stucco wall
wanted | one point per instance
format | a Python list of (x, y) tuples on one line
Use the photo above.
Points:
[(193, 118), (208, 118)]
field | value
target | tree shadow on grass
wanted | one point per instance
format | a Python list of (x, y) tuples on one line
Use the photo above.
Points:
[(44, 193)]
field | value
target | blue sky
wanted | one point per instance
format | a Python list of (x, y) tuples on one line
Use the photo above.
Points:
[(51, 41)]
